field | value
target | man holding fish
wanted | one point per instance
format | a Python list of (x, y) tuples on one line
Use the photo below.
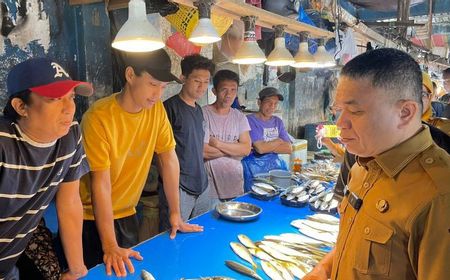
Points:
[(395, 214)]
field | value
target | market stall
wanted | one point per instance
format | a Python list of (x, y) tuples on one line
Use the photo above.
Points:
[(204, 254)]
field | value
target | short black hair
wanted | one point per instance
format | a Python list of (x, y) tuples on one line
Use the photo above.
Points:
[(225, 75), (9, 112), (391, 69), (194, 62)]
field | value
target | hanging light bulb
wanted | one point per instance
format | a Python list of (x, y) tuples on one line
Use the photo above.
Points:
[(204, 32), (303, 58), (137, 34), (249, 51), (279, 56), (322, 57)]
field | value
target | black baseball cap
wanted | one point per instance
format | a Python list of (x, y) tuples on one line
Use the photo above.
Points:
[(270, 91), (156, 63)]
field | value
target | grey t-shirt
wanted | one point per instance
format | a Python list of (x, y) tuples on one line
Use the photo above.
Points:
[(226, 173), (188, 128)]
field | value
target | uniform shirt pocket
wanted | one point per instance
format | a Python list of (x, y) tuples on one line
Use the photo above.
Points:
[(373, 256)]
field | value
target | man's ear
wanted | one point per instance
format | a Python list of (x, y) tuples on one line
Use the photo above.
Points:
[(129, 74), (214, 91), (408, 111), (20, 107), (259, 102), (182, 78)]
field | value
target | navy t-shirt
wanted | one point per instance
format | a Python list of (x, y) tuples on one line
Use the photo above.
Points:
[(188, 127), (30, 174)]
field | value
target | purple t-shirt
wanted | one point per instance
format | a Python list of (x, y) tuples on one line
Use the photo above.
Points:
[(225, 174), (267, 130)]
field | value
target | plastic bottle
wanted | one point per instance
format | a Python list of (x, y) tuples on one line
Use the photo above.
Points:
[(297, 166)]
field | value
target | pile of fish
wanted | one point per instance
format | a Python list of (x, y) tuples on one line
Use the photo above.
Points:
[(321, 227), (264, 189), (324, 202), (325, 170), (309, 191), (289, 255)]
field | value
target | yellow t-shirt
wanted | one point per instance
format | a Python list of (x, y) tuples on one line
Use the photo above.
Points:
[(124, 143)]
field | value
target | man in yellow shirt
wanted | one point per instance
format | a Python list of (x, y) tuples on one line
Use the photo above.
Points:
[(395, 213), (121, 133)]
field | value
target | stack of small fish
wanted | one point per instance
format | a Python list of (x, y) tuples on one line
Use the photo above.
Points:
[(324, 170), (324, 202), (321, 227), (300, 195), (289, 255), (264, 189)]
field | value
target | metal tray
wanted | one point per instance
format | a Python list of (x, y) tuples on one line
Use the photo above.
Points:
[(238, 211)]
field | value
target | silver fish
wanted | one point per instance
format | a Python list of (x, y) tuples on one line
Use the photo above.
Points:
[(260, 254), (243, 269), (324, 218), (243, 253), (145, 275), (271, 271), (246, 241), (285, 273)]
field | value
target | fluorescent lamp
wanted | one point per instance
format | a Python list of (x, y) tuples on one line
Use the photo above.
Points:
[(204, 32), (303, 58), (322, 57), (137, 34), (279, 56), (249, 51)]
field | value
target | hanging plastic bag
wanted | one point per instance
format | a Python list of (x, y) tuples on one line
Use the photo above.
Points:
[(255, 164), (292, 41), (181, 45)]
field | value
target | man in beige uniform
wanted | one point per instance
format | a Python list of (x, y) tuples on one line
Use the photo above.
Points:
[(395, 217)]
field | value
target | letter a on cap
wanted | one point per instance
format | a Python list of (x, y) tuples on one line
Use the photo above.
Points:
[(59, 70)]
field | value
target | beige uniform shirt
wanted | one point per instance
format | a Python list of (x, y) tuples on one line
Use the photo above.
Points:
[(402, 230)]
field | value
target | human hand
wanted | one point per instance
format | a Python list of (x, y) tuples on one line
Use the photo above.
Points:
[(117, 258), (318, 273), (178, 224), (74, 273), (213, 142)]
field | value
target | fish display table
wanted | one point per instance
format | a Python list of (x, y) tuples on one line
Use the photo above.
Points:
[(195, 255)]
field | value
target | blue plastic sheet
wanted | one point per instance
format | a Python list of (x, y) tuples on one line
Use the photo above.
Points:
[(292, 41)]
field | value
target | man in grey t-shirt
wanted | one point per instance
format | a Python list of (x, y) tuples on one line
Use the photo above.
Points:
[(227, 139), (187, 121)]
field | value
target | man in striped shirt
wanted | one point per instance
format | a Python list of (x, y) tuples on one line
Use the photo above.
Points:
[(41, 156)]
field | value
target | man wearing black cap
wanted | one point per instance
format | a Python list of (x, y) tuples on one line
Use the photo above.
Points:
[(267, 131), (121, 133), (41, 156)]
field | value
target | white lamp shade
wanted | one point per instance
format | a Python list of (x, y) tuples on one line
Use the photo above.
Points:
[(137, 34), (303, 58), (323, 58), (279, 56), (204, 33), (249, 53)]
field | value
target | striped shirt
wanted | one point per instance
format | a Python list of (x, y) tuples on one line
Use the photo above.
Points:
[(30, 173)]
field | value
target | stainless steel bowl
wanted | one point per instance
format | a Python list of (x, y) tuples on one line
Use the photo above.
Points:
[(238, 211)]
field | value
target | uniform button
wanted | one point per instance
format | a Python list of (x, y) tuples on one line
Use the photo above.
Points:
[(366, 185), (382, 205), (429, 160), (366, 230)]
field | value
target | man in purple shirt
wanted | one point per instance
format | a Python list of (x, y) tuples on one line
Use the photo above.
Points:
[(267, 131)]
